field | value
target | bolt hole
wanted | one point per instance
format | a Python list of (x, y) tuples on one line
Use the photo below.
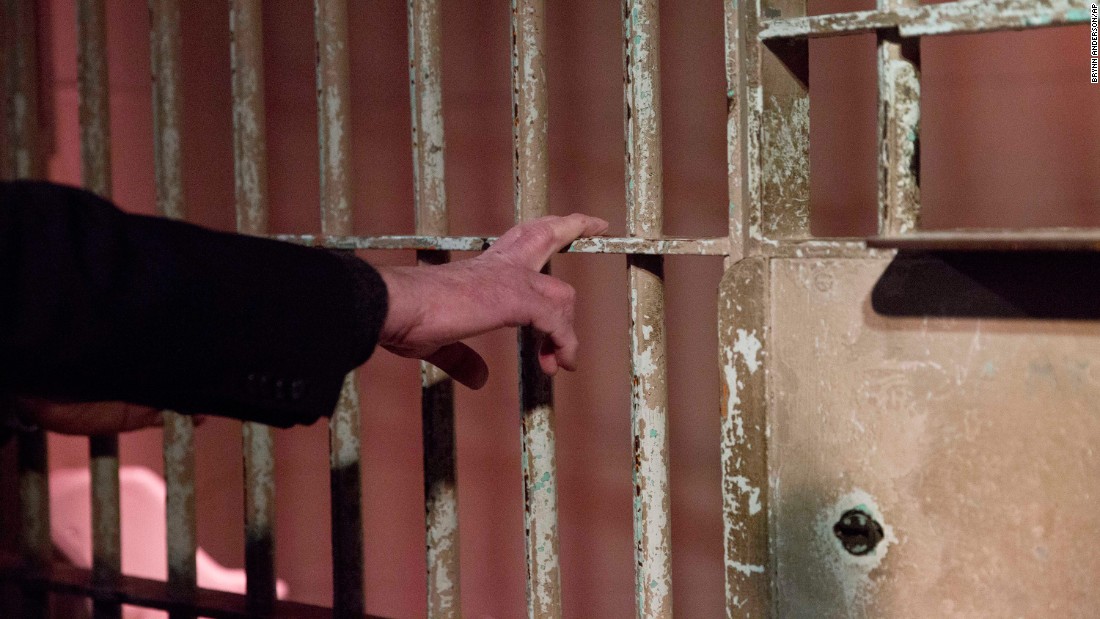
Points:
[(858, 532)]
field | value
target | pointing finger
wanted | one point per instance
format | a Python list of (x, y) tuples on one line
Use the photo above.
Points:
[(532, 243)]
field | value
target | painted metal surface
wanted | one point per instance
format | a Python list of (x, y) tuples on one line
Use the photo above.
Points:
[(911, 20), (333, 117), (95, 164), (649, 393), (734, 137), (586, 245), (250, 181), (898, 129), (743, 312), (23, 160), (437, 389), (179, 449), (531, 161), (969, 442)]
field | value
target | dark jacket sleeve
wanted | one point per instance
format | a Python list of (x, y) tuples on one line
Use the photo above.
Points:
[(97, 304)]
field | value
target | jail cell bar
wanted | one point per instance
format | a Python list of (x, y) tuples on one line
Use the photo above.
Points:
[(95, 159), (530, 159), (437, 389), (250, 189), (179, 430), (333, 112), (22, 159)]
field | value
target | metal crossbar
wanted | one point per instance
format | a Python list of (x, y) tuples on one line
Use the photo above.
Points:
[(768, 145)]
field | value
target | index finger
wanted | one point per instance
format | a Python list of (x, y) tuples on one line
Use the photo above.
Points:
[(533, 243)]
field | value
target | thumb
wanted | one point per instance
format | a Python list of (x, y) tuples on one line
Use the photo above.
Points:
[(462, 363)]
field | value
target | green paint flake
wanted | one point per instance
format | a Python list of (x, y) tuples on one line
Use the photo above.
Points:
[(1076, 15), (730, 94), (653, 434), (546, 476), (912, 137), (653, 584)]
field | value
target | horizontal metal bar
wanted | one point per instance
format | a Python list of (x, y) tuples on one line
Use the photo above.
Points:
[(1049, 239), (588, 245), (71, 580), (967, 16)]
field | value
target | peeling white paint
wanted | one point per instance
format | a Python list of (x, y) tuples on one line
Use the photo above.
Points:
[(748, 346)]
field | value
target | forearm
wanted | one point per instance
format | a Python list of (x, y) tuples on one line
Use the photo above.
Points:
[(96, 304)]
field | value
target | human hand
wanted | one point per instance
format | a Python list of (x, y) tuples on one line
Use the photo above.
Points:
[(433, 308), (85, 418)]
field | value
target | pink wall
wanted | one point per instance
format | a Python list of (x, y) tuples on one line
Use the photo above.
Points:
[(1010, 137)]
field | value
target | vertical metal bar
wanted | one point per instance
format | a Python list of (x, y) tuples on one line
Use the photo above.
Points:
[(250, 165), (649, 395), (777, 125), (742, 343), (21, 89), (734, 96), (24, 161), (531, 170), (179, 449), (437, 389), (34, 498), (333, 99), (95, 150), (899, 128)]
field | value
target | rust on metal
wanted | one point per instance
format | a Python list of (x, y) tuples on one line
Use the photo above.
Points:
[(437, 389), (742, 342), (333, 113), (898, 129), (179, 449), (911, 20), (531, 176), (250, 181), (95, 163), (649, 393)]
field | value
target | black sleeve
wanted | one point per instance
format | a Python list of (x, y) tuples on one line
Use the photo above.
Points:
[(97, 304)]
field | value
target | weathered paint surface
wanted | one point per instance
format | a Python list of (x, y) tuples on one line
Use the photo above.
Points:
[(437, 389), (250, 182), (440, 493), (970, 443), (164, 40), (899, 130), (179, 449), (531, 160), (587, 245), (333, 113), (775, 123), (649, 392), (742, 337), (179, 480), (95, 160), (734, 149), (944, 18), (249, 141)]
